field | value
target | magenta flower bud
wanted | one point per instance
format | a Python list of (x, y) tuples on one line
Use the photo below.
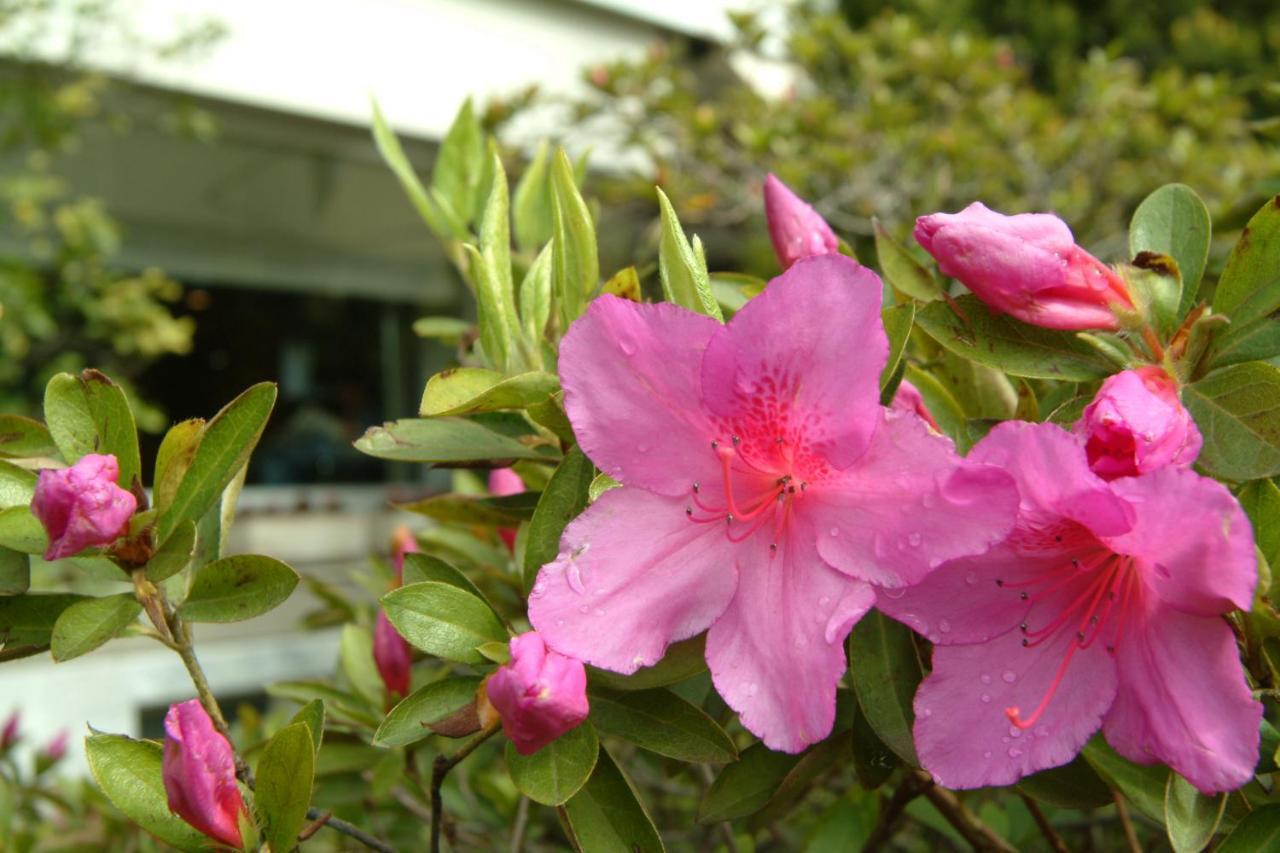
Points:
[(503, 482), (1026, 265), (402, 543), (908, 399), (9, 734), (539, 694), (797, 230), (82, 506), (56, 748), (200, 774), (1136, 424), (392, 655)]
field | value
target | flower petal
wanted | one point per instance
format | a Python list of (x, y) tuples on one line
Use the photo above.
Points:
[(908, 505), (810, 347), (633, 574), (632, 391), (1192, 540), (778, 651), (1183, 699), (962, 733)]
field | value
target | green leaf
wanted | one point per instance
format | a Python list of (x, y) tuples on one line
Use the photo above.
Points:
[(447, 330), (1261, 502), (505, 511), (1071, 786), (1238, 412), (87, 624), (872, 760), (1174, 221), (28, 620), (1237, 343), (556, 772), (129, 773), (176, 453), (495, 231), (904, 274), (443, 620), (456, 176), (575, 263), (606, 815), (421, 567), (600, 484), (1156, 285), (1249, 287), (355, 657), (1191, 818), (17, 485), (237, 588), (225, 447), (15, 572), (89, 414), (312, 716), (531, 204), (685, 281), (464, 390), (535, 297), (898, 321), (660, 721), (285, 775), (1143, 785), (174, 555), (747, 785), (563, 498), (441, 441), (410, 720), (682, 661), (799, 780), (940, 402), (24, 438), (1010, 345), (22, 531), (885, 672), (1260, 830), (443, 223)]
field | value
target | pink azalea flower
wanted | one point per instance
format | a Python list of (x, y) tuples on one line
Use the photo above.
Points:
[(82, 506), (909, 399), (764, 490), (1103, 609), (539, 694), (1026, 265), (391, 653), (1136, 424), (200, 774), (797, 230), (56, 748)]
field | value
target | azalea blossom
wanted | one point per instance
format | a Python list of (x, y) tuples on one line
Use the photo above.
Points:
[(1137, 424), (1026, 265), (391, 652), (764, 491), (539, 694), (82, 506), (1103, 609), (909, 399), (200, 774), (796, 229)]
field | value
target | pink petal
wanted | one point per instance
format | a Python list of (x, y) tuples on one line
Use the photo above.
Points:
[(962, 733), (811, 347), (1183, 699), (632, 390), (908, 505), (778, 651), (1191, 540), (1043, 229), (633, 575)]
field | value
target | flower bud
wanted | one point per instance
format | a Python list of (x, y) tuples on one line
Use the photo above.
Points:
[(1026, 265), (200, 774), (82, 506), (539, 694), (392, 655), (9, 734), (503, 482), (402, 543), (797, 230), (56, 748), (908, 399), (1136, 424)]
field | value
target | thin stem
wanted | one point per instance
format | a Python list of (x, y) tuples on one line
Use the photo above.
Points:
[(910, 788), (522, 820), (1130, 835), (351, 831), (966, 822), (725, 828), (440, 769), (1055, 840)]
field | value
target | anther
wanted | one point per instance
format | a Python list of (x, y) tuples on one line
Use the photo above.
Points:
[(1023, 626), (728, 519), (1080, 636), (1023, 596), (688, 510), (736, 440), (999, 582), (696, 487), (803, 485), (1025, 642), (715, 444), (773, 546), (780, 440), (1057, 538)]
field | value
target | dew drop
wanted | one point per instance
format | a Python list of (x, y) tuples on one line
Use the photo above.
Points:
[(929, 500), (915, 539), (559, 623), (628, 345), (894, 592), (1014, 752), (574, 576), (971, 579), (1015, 732), (824, 601), (599, 611), (944, 626), (835, 531), (539, 589), (643, 448), (584, 609), (881, 547), (986, 754), (752, 689), (986, 679), (986, 698), (926, 713), (1009, 676)]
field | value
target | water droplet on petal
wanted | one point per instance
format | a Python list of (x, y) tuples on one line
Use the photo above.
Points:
[(1014, 752), (971, 579), (944, 626), (1009, 676), (628, 345), (1015, 732), (986, 754), (986, 697), (986, 679), (881, 547), (926, 713), (573, 575), (897, 592), (539, 589), (824, 601), (835, 531), (915, 539), (929, 500), (752, 689), (584, 609)]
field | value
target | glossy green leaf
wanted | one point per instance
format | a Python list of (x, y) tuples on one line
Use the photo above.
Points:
[(443, 620), (682, 661), (563, 498), (312, 716), (814, 763), (505, 511), (902, 271), (495, 314), (885, 671), (495, 230), (282, 793), (460, 163), (410, 720), (89, 414), (606, 815), (747, 785), (872, 760), (685, 281), (1010, 345), (898, 322), (1142, 785), (22, 531), (448, 330), (1191, 818), (940, 402), (423, 567), (464, 390), (87, 624), (575, 263), (1072, 786), (355, 659), (174, 555), (129, 772), (17, 485), (1156, 285), (600, 484), (443, 223), (1174, 221), (227, 442), (1259, 831), (531, 204), (1238, 412), (177, 451), (660, 721), (15, 572), (1258, 340), (237, 588), (1261, 501), (535, 297), (556, 772), (441, 441), (24, 438), (29, 619), (1249, 287)]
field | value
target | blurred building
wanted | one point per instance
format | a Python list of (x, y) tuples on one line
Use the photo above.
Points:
[(304, 264)]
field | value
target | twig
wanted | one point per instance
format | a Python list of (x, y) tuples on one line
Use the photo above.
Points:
[(725, 828), (439, 770), (411, 804), (351, 831), (1130, 835), (966, 823), (1046, 828), (522, 820), (910, 788), (314, 827)]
